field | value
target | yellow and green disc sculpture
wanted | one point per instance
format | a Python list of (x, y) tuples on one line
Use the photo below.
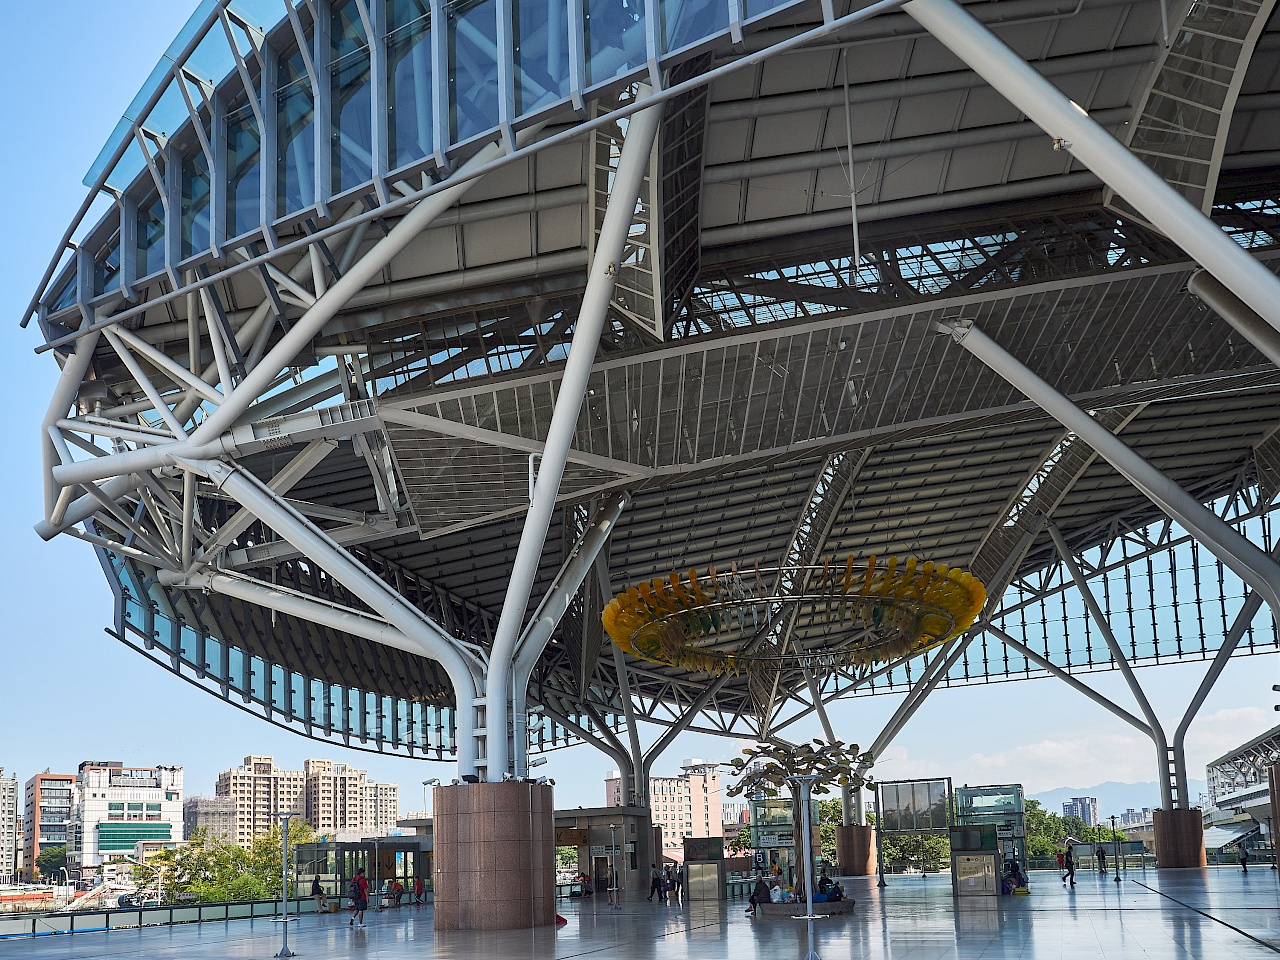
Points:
[(852, 614)]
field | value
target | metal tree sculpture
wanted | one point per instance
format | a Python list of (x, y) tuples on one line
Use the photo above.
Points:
[(806, 769)]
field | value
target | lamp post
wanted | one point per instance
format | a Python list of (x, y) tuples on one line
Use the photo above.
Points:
[(615, 892), (1271, 839), (433, 782), (1115, 842), (284, 918)]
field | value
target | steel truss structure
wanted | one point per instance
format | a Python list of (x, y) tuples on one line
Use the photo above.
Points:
[(410, 331)]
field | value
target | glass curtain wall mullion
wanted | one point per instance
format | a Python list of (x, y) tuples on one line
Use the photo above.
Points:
[(378, 100), (268, 167)]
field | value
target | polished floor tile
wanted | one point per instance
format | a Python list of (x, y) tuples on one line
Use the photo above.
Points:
[(1200, 914)]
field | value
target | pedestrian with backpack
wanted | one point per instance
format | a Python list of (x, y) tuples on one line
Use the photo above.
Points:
[(359, 894)]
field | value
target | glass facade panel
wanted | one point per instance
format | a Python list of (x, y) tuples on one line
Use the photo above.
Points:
[(295, 137), (244, 172), (615, 41), (258, 679), (66, 296), (756, 8), (686, 22), (149, 257), (473, 68), (409, 81), (542, 53), (106, 268), (213, 657), (195, 204), (351, 118)]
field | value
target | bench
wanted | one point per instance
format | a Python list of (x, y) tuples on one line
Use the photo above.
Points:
[(786, 911)]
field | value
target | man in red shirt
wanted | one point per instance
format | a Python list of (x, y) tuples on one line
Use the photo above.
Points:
[(360, 903)]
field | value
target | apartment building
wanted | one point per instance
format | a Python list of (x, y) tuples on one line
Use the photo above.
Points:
[(47, 802)]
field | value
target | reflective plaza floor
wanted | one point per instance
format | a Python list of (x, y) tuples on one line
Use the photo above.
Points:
[(1215, 913)]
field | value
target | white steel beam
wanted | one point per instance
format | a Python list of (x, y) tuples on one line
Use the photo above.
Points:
[(1249, 562), (632, 167), (1072, 128), (1099, 617), (432, 641)]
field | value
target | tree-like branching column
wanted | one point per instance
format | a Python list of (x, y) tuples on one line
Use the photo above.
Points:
[(856, 614), (807, 770)]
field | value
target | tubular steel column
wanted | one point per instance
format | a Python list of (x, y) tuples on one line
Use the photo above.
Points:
[(317, 547), (1250, 563), (553, 607), (632, 166), (1024, 87), (1104, 627)]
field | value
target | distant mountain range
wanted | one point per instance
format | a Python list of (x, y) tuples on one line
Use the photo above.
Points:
[(1115, 797)]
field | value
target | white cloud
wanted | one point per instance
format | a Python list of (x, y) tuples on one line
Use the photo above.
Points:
[(1217, 733), (1038, 765)]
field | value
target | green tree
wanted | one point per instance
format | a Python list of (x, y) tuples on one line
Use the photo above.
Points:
[(50, 861), (1047, 832), (213, 870)]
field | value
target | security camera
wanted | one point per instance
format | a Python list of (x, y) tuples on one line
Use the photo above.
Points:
[(456, 781), (506, 777)]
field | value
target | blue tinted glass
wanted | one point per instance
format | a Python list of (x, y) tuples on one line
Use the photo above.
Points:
[(244, 173), (150, 227), (66, 296), (235, 670), (106, 269), (338, 716), (258, 679), (213, 657), (685, 22), (295, 137), (195, 204), (473, 68), (542, 53), (755, 8), (370, 714), (298, 689), (351, 118), (409, 81), (615, 41), (188, 642), (278, 687)]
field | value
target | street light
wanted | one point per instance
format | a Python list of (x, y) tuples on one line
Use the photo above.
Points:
[(1115, 841), (284, 919)]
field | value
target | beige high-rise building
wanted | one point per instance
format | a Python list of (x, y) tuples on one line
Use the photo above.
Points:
[(334, 797), (382, 807), (685, 806), (261, 790)]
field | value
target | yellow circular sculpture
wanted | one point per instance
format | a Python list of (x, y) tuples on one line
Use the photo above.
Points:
[(867, 612)]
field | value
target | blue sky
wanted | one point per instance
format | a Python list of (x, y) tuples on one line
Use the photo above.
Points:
[(69, 692)]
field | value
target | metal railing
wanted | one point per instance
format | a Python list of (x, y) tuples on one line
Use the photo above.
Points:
[(86, 921)]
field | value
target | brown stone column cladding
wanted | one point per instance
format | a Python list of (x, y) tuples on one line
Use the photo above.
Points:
[(1179, 838), (856, 850), (495, 856)]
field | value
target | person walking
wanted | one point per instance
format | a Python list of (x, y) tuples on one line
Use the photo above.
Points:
[(759, 895), (1062, 866), (655, 881), (317, 892), (360, 902), (1071, 866), (1100, 854), (1244, 858), (417, 891)]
